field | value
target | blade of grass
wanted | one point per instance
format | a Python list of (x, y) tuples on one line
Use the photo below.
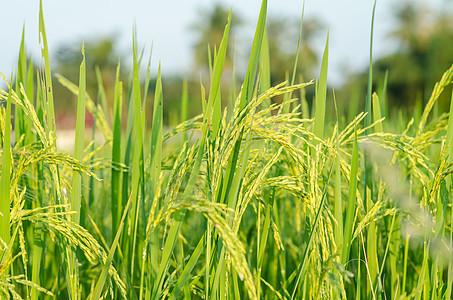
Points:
[(22, 124), (138, 172), (349, 222), (261, 246), (233, 177), (423, 279), (48, 77), (116, 198), (288, 96), (156, 136), (405, 259), (217, 113), (368, 188), (449, 137), (370, 73), (76, 194), (449, 142), (79, 142), (105, 269), (371, 252), (321, 95), (156, 158), (128, 162), (305, 111), (183, 278), (394, 257), (184, 106), (383, 97), (5, 189), (368, 168), (377, 113), (307, 250), (233, 188), (207, 119), (250, 75), (38, 236), (265, 69), (338, 209)]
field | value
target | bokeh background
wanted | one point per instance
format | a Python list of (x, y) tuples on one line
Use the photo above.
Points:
[(413, 42)]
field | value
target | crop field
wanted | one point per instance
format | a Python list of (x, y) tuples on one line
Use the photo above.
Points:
[(264, 198)]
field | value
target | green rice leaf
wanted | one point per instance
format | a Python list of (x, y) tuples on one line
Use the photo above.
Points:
[(5, 193), (79, 142), (350, 214), (116, 153), (321, 94)]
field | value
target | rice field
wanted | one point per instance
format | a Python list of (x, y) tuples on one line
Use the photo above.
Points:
[(256, 200)]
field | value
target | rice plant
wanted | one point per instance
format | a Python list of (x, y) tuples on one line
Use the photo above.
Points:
[(254, 200)]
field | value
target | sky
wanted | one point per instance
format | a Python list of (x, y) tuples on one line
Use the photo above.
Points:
[(166, 26)]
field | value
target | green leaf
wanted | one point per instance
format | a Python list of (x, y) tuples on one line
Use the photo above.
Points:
[(250, 75), (108, 262), (321, 94), (116, 152), (377, 113), (79, 142), (6, 173), (48, 91), (349, 222), (183, 278)]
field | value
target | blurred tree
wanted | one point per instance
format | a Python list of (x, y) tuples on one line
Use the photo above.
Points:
[(425, 39), (209, 28), (283, 34), (99, 53)]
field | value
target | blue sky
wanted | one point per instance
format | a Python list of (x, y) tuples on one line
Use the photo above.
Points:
[(166, 25)]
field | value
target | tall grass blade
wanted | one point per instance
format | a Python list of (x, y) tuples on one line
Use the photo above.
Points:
[(370, 72), (265, 69), (184, 277), (321, 94), (250, 75), (48, 91), (377, 113), (108, 262), (38, 240), (338, 208), (116, 153), (383, 96), (79, 142), (368, 167), (449, 142), (5, 179), (351, 207), (449, 137), (305, 256), (207, 120), (76, 194), (138, 172), (371, 253), (22, 124), (156, 157), (184, 106), (288, 96), (262, 246)]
